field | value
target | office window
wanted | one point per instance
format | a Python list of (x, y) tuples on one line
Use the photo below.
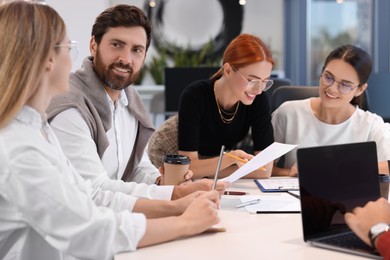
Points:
[(331, 23)]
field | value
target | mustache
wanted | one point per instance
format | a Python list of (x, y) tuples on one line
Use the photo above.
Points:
[(122, 66)]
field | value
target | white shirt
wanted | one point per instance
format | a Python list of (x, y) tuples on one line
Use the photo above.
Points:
[(46, 207), (295, 123), (76, 142)]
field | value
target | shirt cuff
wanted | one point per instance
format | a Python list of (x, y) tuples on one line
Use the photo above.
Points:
[(164, 192), (134, 225), (382, 245), (122, 201)]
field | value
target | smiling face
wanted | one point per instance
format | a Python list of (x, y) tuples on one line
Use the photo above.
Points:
[(239, 80), (342, 73), (119, 56)]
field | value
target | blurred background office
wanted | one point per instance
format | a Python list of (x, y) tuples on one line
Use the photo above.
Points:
[(193, 33)]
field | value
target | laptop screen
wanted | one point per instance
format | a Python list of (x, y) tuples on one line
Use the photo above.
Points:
[(333, 180)]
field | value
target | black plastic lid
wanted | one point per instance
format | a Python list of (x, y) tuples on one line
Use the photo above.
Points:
[(176, 159)]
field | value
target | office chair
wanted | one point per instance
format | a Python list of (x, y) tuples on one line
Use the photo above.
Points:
[(365, 101), (379, 93), (286, 93), (176, 79), (278, 82)]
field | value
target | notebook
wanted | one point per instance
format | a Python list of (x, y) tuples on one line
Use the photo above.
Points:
[(332, 180)]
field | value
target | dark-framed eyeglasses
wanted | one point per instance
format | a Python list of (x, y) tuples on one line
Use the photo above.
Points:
[(73, 48), (344, 87), (254, 84)]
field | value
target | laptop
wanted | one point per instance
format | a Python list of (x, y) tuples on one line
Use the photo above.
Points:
[(333, 180)]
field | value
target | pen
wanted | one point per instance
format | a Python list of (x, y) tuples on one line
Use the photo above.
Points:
[(215, 229), (241, 160), (274, 212), (238, 193), (251, 202)]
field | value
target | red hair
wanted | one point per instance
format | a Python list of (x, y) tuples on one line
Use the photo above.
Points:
[(245, 49)]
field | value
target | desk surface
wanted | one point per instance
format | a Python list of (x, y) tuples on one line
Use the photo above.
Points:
[(248, 236)]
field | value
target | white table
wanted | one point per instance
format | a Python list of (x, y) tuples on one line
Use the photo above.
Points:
[(248, 236)]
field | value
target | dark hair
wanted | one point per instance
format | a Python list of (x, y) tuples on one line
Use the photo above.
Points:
[(359, 59), (121, 15), (245, 49)]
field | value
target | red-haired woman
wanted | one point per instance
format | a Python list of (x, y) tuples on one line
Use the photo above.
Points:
[(221, 110)]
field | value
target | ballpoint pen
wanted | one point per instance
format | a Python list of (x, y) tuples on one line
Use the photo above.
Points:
[(247, 203), (218, 166), (237, 193), (275, 212), (241, 160)]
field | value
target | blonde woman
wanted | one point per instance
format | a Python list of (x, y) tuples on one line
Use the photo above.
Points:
[(47, 211)]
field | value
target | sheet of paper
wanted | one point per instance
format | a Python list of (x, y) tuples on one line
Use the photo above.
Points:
[(269, 154), (283, 202)]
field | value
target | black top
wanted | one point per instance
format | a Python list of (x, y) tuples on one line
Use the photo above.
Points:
[(201, 128)]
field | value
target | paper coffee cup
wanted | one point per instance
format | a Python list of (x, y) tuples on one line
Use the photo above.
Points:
[(175, 168)]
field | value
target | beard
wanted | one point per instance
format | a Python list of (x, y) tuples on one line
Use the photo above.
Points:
[(110, 78)]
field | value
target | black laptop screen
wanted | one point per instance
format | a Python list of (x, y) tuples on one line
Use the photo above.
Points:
[(333, 180)]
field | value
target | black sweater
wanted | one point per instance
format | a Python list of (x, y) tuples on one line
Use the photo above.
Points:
[(201, 128)]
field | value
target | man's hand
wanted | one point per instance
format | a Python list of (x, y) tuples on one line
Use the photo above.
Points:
[(201, 213), (182, 203), (203, 184), (360, 220)]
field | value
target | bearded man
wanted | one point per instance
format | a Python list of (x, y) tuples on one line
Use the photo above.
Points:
[(102, 124)]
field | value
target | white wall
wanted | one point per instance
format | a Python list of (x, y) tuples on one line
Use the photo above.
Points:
[(79, 17), (263, 18)]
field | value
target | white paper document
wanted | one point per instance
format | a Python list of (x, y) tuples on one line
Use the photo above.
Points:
[(269, 154), (281, 203)]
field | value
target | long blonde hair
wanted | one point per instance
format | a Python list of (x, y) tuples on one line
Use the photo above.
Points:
[(29, 31)]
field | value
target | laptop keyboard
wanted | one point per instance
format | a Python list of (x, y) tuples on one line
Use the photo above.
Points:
[(349, 240)]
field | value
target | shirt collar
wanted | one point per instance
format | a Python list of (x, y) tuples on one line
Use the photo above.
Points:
[(122, 100), (30, 116)]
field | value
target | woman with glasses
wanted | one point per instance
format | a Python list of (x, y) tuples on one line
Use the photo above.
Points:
[(221, 110), (334, 117), (47, 210)]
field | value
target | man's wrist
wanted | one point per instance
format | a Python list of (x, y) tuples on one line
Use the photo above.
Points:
[(178, 192), (376, 231)]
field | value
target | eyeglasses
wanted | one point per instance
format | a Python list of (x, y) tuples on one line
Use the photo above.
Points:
[(263, 85), (344, 87), (73, 48)]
